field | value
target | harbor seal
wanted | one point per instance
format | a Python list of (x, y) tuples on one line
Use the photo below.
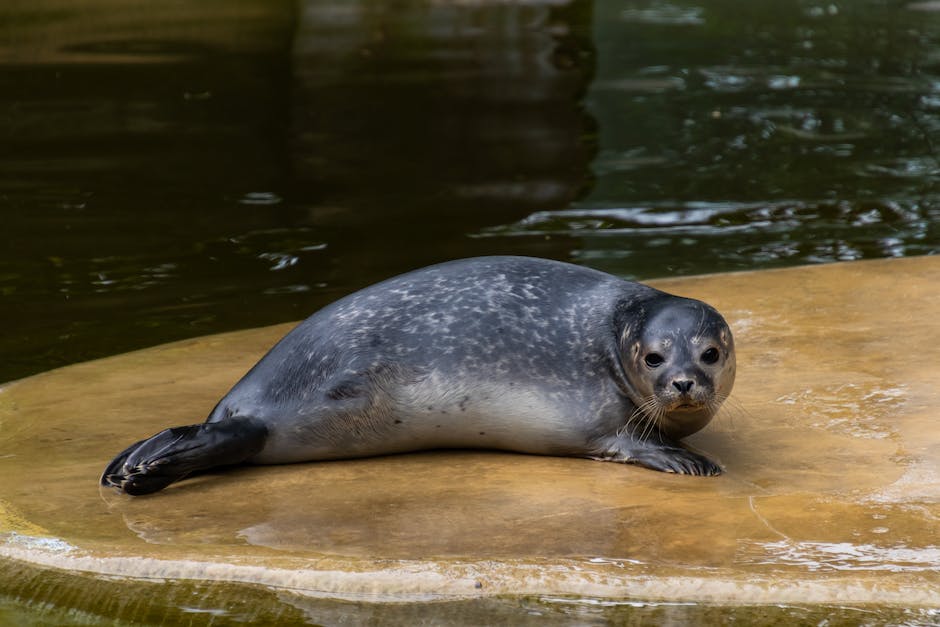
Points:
[(512, 353)]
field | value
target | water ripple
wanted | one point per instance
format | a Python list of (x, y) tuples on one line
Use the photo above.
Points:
[(703, 218), (665, 13), (736, 235), (846, 556)]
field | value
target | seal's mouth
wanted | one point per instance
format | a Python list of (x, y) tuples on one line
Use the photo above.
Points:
[(685, 417), (686, 406)]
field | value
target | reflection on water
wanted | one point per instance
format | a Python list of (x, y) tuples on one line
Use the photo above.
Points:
[(737, 136), (171, 171), (183, 169), (670, 236)]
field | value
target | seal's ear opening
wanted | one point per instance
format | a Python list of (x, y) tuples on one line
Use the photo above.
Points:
[(173, 454)]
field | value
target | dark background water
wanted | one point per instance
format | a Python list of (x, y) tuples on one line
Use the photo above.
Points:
[(174, 169)]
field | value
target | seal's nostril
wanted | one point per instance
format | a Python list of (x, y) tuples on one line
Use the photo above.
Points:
[(684, 385)]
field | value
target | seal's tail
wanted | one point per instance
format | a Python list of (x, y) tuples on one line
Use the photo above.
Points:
[(153, 464)]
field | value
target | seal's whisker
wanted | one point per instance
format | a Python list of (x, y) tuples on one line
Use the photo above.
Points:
[(635, 418), (731, 408), (653, 412), (637, 414), (641, 416)]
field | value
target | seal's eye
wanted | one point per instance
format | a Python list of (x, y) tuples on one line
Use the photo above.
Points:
[(654, 360), (710, 356)]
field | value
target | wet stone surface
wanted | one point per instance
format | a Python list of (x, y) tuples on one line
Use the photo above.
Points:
[(830, 444)]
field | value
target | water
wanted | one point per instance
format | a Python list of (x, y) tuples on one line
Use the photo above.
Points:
[(746, 135), (176, 170), (96, 601)]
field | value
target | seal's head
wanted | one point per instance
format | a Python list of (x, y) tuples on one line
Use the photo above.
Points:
[(679, 360)]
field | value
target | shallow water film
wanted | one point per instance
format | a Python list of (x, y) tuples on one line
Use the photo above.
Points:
[(173, 170)]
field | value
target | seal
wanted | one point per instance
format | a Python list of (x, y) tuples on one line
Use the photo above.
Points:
[(513, 353)]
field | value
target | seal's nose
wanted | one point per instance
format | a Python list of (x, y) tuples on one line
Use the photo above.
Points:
[(683, 385)]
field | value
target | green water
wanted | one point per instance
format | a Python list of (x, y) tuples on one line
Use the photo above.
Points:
[(175, 169), (46, 597), (172, 171)]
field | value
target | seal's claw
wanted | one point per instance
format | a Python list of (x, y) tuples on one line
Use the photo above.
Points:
[(675, 460)]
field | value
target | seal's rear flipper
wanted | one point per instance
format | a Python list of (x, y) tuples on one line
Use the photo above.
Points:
[(173, 454)]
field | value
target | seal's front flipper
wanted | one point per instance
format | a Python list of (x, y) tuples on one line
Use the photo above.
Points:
[(674, 459), (173, 454)]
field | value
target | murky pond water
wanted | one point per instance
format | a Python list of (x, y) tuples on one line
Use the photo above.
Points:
[(170, 171), (173, 170)]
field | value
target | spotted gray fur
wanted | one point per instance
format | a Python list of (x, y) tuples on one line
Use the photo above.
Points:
[(513, 353)]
